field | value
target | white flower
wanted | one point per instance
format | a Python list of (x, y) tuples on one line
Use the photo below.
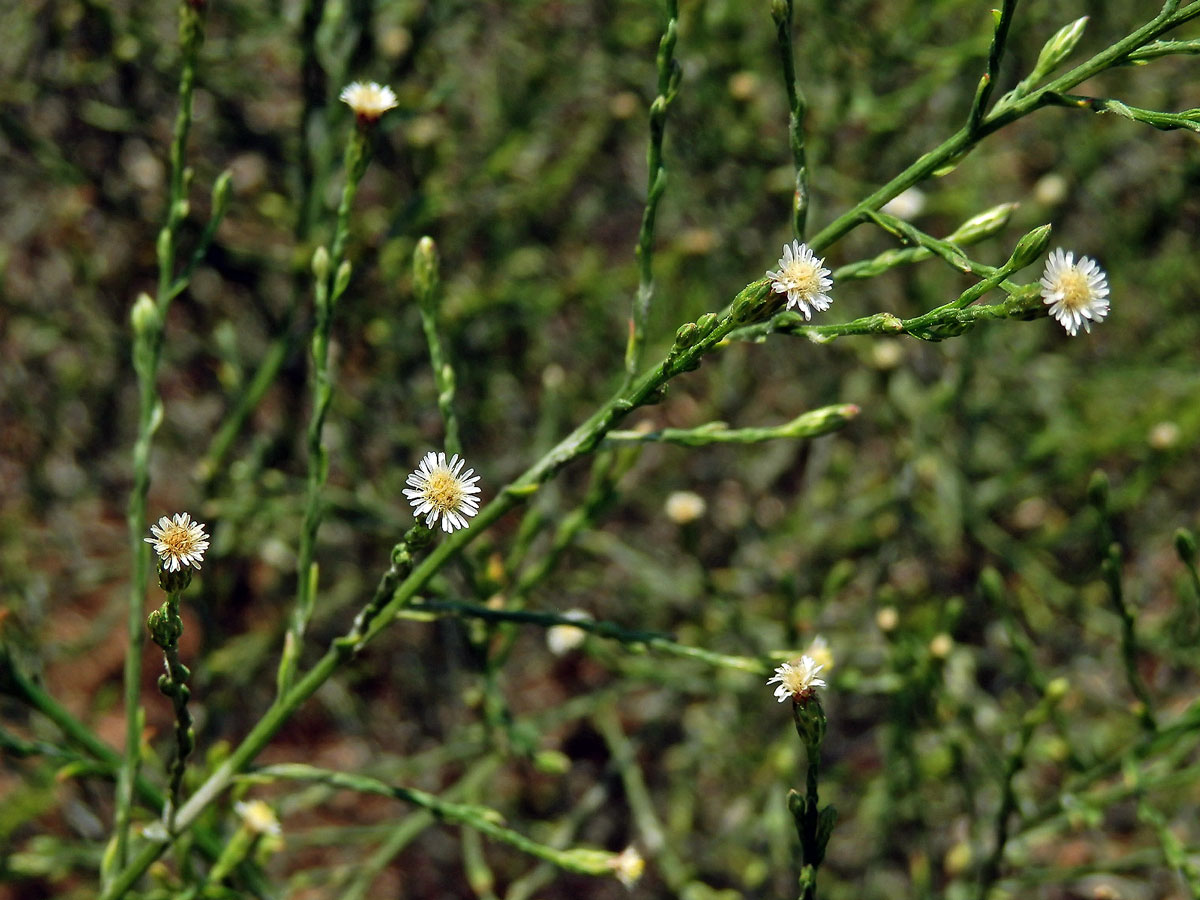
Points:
[(178, 542), (368, 100), (565, 638), (257, 817), (1076, 292), (683, 507), (820, 653), (797, 679), (628, 866), (804, 280), (905, 205), (438, 489)]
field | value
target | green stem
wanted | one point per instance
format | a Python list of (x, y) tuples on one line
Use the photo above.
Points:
[(781, 12), (148, 338), (669, 75), (331, 273), (1006, 111), (1111, 568), (426, 281)]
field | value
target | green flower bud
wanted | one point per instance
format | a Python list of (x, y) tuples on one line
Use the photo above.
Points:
[(1057, 49), (983, 225), (165, 626), (1030, 248), (342, 280), (809, 717), (686, 336), (174, 582), (320, 264), (144, 316), (425, 269)]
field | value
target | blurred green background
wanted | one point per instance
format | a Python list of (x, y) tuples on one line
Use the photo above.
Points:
[(519, 145)]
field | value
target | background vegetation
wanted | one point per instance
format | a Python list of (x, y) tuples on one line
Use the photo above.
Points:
[(519, 145)]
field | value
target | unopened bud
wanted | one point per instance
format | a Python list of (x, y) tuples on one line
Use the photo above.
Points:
[(342, 280), (1030, 248), (984, 225), (144, 316), (1055, 50), (425, 269), (320, 263)]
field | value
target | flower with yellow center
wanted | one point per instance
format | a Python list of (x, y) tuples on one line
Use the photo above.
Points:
[(368, 99), (440, 489), (258, 817), (803, 278), (797, 680), (178, 542), (1076, 292), (628, 866)]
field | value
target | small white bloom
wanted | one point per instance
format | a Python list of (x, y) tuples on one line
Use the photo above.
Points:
[(258, 817), (803, 278), (908, 204), (442, 489), (797, 679), (1076, 292), (628, 866), (820, 653), (178, 542), (368, 99), (683, 507), (565, 638)]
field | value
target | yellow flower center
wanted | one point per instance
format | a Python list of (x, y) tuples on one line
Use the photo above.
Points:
[(444, 491), (1076, 291), (179, 541), (804, 277)]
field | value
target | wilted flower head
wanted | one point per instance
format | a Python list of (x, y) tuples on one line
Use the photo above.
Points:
[(802, 277), (439, 490), (628, 866), (1076, 292), (258, 817), (797, 680), (368, 99), (178, 542)]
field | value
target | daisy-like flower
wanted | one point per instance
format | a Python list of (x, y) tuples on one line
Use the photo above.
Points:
[(178, 541), (368, 99), (1076, 292), (797, 680), (803, 278), (442, 489), (258, 817), (628, 866)]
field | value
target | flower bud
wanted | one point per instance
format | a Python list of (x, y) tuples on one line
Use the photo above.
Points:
[(1030, 248), (320, 263), (144, 316), (1055, 50), (983, 225)]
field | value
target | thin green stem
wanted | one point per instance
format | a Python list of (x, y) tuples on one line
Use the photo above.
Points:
[(669, 74), (1006, 111), (781, 12), (427, 282), (331, 275), (1111, 568), (147, 353), (987, 84)]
